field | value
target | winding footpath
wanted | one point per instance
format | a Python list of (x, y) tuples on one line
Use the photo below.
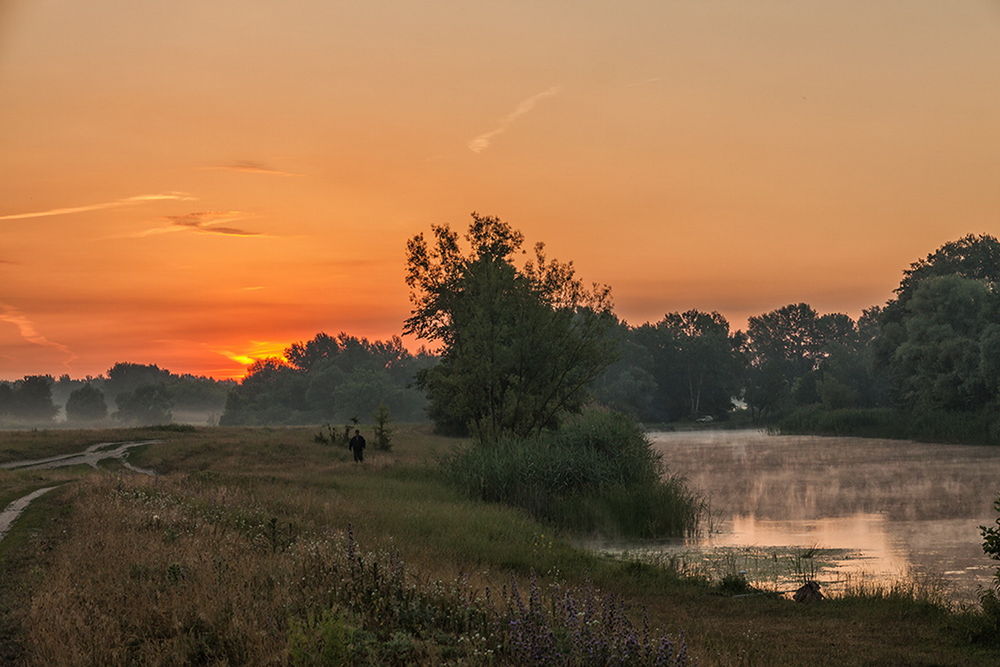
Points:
[(15, 508), (90, 456)]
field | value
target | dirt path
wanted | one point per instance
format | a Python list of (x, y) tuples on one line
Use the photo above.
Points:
[(90, 456), (15, 508)]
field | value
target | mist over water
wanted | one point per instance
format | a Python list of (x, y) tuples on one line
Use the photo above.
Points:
[(887, 508)]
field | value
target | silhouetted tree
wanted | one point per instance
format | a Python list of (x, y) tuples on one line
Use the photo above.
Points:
[(519, 345), (198, 393), (6, 400), (63, 387), (945, 358), (86, 404), (146, 405), (974, 257), (785, 352), (909, 326), (125, 377), (327, 379), (32, 399), (628, 385), (707, 370), (266, 395)]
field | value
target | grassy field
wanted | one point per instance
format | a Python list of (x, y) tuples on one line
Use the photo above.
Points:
[(238, 552)]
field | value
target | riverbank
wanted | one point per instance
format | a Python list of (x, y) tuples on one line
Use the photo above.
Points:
[(208, 517), (968, 428)]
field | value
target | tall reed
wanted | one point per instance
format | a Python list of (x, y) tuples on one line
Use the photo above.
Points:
[(597, 473)]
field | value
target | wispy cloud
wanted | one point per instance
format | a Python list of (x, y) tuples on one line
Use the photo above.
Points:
[(250, 167), (212, 222), (203, 222), (645, 82), (483, 141), (26, 329), (127, 201)]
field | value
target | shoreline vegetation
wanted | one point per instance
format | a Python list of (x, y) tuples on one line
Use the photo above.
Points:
[(262, 545), (596, 475), (935, 426)]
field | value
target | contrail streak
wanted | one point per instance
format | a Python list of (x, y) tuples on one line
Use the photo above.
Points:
[(26, 328), (482, 142), (127, 201)]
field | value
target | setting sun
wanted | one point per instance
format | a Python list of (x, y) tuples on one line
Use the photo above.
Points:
[(258, 350), (181, 181)]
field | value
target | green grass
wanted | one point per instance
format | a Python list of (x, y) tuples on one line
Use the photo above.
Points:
[(45, 443), (399, 500)]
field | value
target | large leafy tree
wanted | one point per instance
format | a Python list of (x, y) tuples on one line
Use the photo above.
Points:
[(946, 356), (976, 257), (943, 316), (519, 343)]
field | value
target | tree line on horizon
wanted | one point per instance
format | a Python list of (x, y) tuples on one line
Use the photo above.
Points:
[(515, 335), (932, 349), (331, 379), (128, 393)]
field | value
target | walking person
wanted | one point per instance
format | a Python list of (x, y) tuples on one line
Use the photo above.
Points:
[(357, 445)]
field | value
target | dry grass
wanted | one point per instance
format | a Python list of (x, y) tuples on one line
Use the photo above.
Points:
[(179, 571), (168, 572), (188, 567)]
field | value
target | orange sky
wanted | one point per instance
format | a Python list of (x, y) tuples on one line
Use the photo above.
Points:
[(187, 182)]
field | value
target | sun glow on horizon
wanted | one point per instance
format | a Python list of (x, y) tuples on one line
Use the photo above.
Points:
[(258, 350), (202, 200)]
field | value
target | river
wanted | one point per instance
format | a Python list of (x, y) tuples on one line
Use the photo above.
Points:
[(835, 509)]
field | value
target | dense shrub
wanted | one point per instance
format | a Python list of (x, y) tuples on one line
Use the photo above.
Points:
[(597, 473)]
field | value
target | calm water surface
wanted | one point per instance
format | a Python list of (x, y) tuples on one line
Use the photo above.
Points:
[(878, 509)]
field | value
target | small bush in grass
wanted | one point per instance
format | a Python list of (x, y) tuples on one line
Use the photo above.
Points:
[(383, 432), (597, 473), (734, 583), (324, 639), (327, 435)]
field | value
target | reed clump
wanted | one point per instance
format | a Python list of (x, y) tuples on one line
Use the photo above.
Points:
[(597, 474)]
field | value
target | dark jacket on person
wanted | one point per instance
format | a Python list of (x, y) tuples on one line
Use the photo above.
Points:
[(357, 442)]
